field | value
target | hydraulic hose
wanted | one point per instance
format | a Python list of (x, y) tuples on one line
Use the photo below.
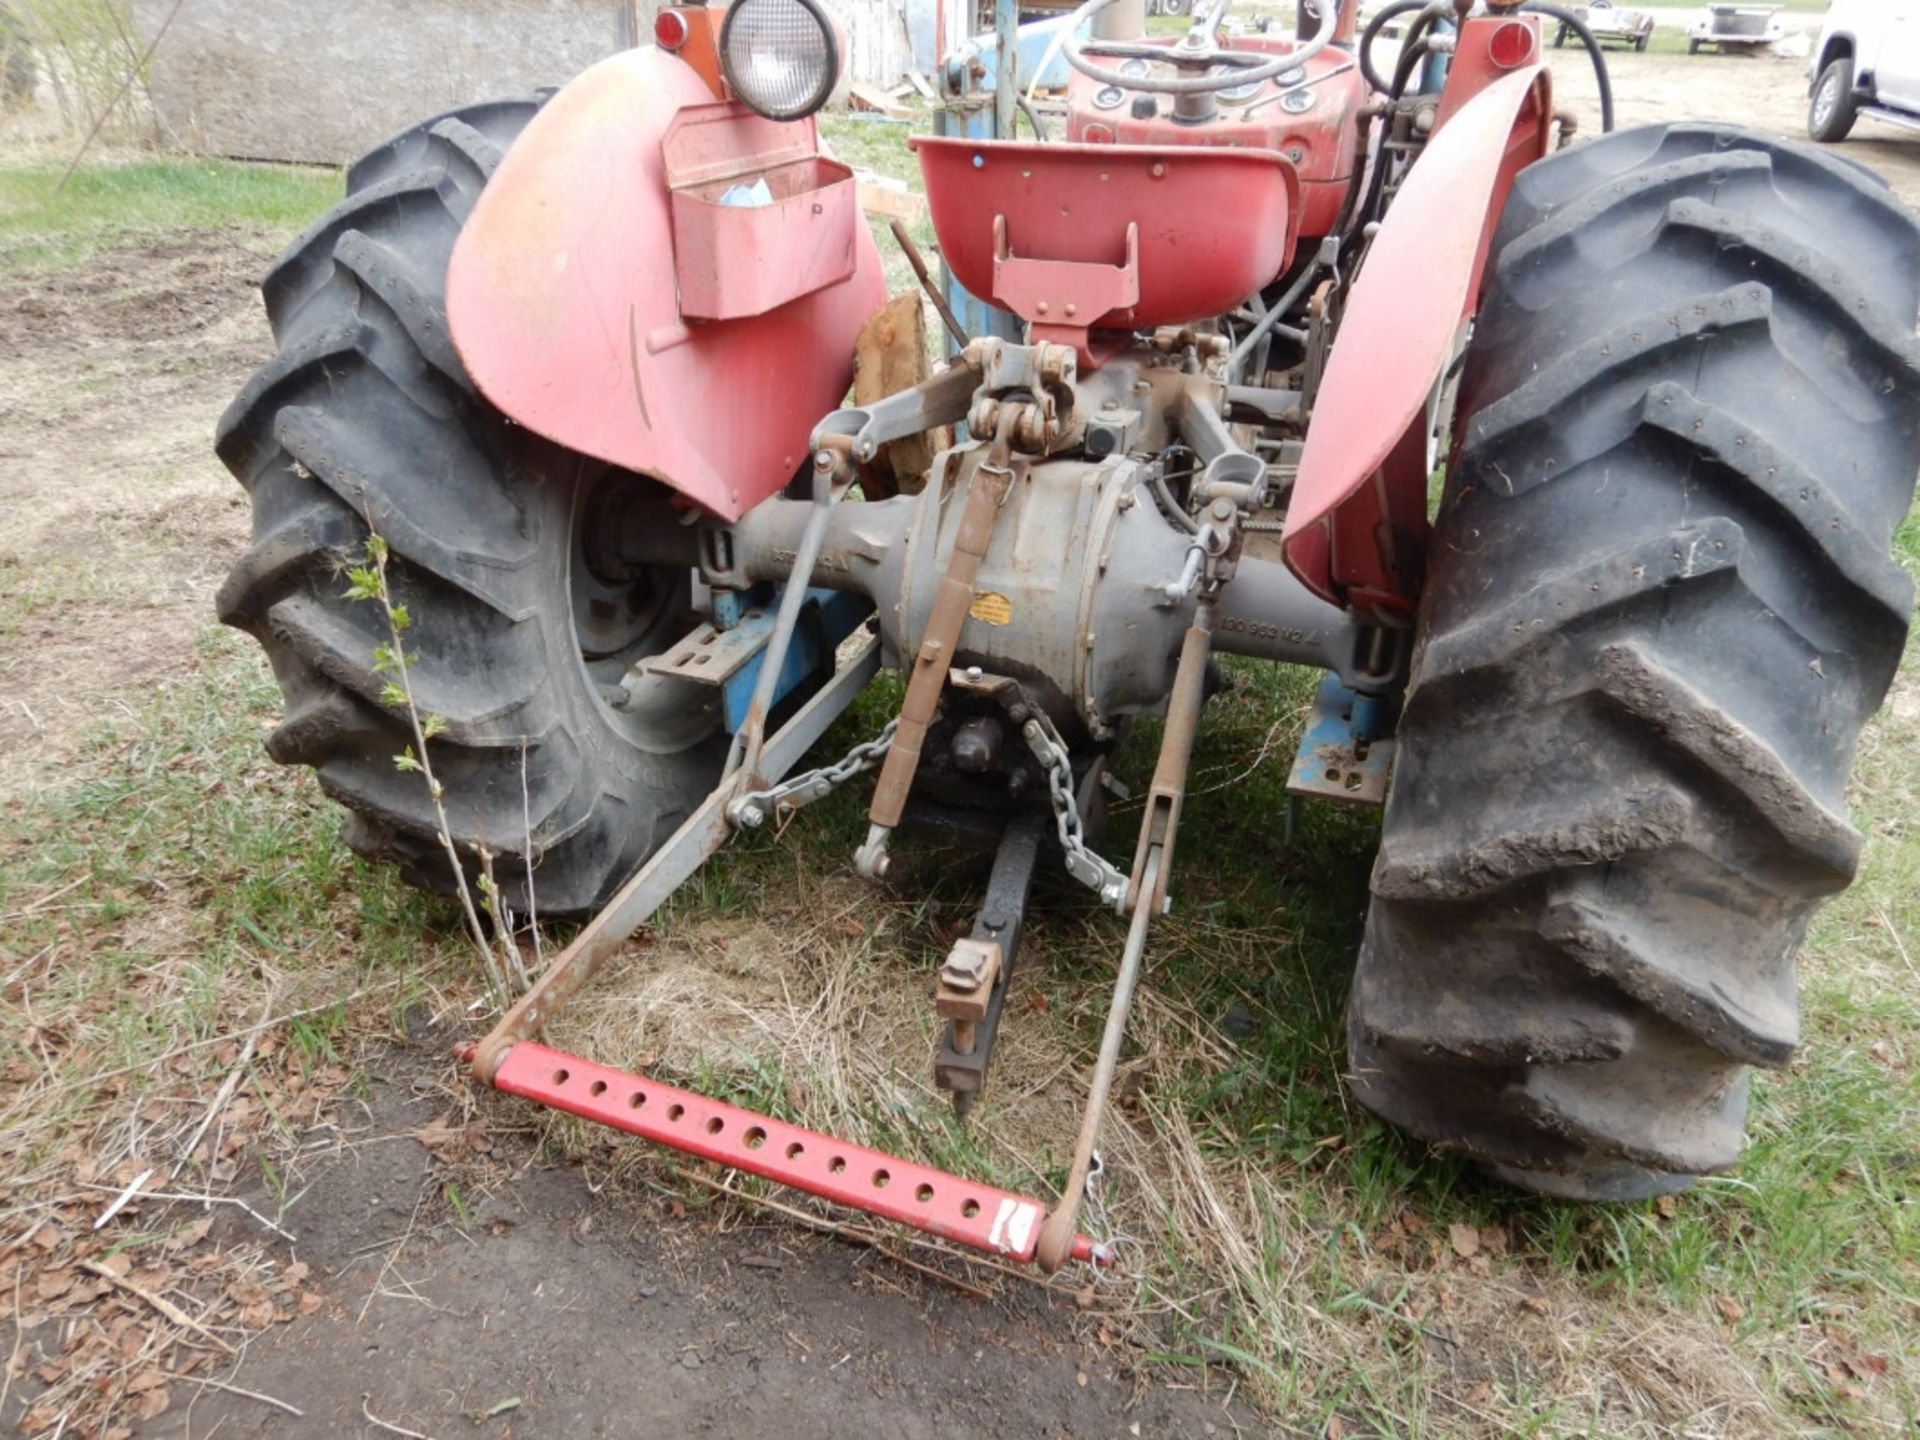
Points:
[(1579, 27), (1372, 33), (1412, 50), (1039, 133)]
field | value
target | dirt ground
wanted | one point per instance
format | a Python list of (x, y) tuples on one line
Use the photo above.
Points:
[(1764, 92), (599, 1315), (622, 1319), (120, 523)]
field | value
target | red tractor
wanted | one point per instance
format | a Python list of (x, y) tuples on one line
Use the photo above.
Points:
[(582, 360)]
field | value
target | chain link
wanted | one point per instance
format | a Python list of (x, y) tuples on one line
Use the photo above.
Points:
[(1108, 1243), (1084, 863), (754, 808)]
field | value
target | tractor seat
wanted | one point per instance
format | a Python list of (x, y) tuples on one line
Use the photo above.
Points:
[(1077, 239)]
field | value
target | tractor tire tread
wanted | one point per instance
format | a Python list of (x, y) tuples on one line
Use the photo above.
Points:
[(366, 414), (1654, 584)]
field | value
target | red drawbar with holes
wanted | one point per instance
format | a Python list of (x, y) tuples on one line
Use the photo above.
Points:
[(978, 1216)]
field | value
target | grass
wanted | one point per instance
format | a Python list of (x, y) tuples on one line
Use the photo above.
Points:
[(42, 225), (172, 884), (162, 895)]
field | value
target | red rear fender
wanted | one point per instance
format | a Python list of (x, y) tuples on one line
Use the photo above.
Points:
[(1356, 528), (565, 292)]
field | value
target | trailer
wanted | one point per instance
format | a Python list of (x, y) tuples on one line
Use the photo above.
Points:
[(1738, 29), (1611, 25)]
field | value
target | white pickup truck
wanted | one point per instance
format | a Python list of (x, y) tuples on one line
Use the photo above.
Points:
[(1867, 63)]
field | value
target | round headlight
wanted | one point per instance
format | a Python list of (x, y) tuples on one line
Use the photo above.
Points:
[(780, 56)]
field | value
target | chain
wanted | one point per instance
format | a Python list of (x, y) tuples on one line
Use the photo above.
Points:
[(1084, 863), (753, 809), (1107, 1242)]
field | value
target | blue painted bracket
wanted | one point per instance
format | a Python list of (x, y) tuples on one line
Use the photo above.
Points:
[(827, 618), (1343, 756)]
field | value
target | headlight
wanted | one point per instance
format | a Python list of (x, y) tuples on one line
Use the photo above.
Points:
[(780, 56)]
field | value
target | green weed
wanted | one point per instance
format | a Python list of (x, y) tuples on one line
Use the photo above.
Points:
[(105, 205)]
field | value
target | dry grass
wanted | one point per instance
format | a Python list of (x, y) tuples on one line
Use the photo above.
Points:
[(1261, 1269), (1350, 1281)]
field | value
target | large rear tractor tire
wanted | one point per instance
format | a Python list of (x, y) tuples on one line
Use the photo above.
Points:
[(522, 635), (1660, 606)]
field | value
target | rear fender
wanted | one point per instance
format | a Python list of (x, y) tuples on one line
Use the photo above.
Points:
[(1356, 529), (565, 299)]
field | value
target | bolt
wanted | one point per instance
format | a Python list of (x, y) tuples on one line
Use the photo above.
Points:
[(1073, 309), (1157, 169), (1041, 307), (974, 673), (751, 817), (965, 969), (823, 459)]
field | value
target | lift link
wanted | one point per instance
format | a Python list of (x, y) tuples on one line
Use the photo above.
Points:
[(986, 493), (698, 838), (1147, 897), (832, 477), (1233, 504)]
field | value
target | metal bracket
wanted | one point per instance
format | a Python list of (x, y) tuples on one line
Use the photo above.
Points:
[(1342, 756), (731, 659), (961, 1065), (938, 400)]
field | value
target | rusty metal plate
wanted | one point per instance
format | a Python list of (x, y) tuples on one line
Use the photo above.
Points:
[(712, 657)]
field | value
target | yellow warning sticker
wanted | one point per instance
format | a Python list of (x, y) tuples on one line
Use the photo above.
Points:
[(991, 608)]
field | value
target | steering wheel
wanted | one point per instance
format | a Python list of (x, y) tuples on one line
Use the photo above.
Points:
[(1205, 63)]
